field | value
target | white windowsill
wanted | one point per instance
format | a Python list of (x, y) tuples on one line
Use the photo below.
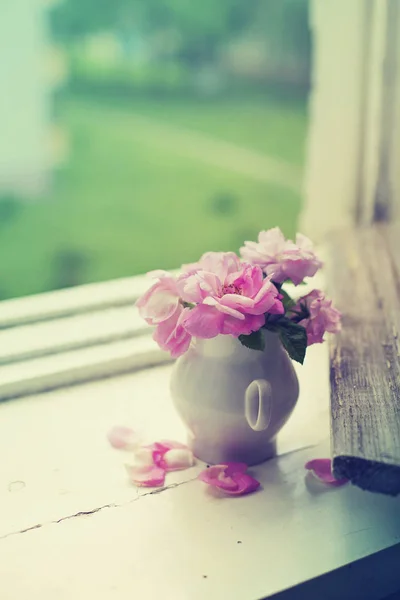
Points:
[(71, 525), (59, 468)]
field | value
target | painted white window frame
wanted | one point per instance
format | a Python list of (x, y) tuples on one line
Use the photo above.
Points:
[(74, 335), (353, 168), (65, 337)]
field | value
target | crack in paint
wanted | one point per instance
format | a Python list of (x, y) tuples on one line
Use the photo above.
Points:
[(357, 531), (87, 513)]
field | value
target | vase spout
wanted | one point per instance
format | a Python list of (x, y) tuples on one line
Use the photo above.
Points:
[(258, 404)]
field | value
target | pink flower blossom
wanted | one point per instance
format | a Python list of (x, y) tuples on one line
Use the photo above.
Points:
[(323, 316), (282, 259), (321, 468), (219, 263), (207, 322), (171, 334), (161, 306), (231, 478), (160, 302), (230, 300)]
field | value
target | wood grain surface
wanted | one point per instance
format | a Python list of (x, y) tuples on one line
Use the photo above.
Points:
[(364, 277)]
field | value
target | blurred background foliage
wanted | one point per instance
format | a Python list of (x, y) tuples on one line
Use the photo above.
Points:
[(175, 113)]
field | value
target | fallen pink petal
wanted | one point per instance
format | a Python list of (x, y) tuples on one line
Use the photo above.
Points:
[(230, 478), (147, 464), (321, 468), (151, 476), (143, 457), (123, 438), (142, 471), (178, 459), (217, 477), (162, 448), (245, 485)]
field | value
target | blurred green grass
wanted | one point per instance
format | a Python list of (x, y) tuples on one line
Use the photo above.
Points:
[(127, 206)]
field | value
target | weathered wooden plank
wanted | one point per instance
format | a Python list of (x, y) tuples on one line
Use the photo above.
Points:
[(365, 358)]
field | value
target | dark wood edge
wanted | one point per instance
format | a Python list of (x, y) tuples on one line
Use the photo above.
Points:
[(368, 474)]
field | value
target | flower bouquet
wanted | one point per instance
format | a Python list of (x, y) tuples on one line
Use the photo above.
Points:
[(243, 297), (233, 324)]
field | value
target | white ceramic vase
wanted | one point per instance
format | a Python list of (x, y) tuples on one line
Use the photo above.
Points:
[(233, 400)]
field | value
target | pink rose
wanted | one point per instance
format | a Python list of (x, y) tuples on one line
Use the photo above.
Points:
[(282, 259), (219, 263), (232, 299), (160, 301), (161, 306), (323, 316), (171, 334)]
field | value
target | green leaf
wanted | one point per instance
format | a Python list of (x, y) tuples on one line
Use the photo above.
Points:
[(271, 322), (292, 335), (299, 315), (187, 304), (296, 284), (277, 285), (293, 338), (287, 301), (254, 341)]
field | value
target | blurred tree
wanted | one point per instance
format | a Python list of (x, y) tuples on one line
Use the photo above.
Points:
[(200, 29), (69, 268), (284, 24), (224, 203), (74, 19), (9, 208), (201, 26)]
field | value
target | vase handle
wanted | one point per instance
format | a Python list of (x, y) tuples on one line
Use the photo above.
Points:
[(258, 404)]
